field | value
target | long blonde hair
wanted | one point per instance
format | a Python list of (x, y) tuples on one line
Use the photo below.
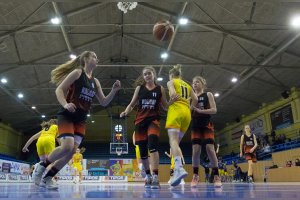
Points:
[(47, 124), (61, 71), (140, 80), (175, 71), (202, 80)]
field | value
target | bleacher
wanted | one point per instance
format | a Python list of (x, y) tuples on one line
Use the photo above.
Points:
[(264, 154)]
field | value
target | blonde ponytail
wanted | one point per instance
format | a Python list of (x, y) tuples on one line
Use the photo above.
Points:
[(61, 71), (176, 71)]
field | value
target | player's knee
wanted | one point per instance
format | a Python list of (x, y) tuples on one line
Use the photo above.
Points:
[(143, 150), (153, 143)]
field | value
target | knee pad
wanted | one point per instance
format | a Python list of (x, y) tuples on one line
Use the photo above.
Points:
[(153, 143), (143, 150)]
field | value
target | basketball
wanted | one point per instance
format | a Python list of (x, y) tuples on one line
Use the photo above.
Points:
[(163, 30)]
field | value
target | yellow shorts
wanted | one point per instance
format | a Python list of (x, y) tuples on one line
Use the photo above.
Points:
[(221, 172), (77, 167), (179, 117), (137, 152), (172, 163), (45, 145)]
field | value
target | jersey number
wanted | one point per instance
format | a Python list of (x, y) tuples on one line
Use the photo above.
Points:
[(184, 92)]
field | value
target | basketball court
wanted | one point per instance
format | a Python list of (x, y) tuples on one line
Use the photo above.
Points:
[(247, 51)]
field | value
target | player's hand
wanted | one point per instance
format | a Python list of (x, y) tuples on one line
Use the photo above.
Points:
[(174, 98), (196, 109), (117, 85), (25, 149), (123, 114), (70, 107), (251, 150), (241, 154)]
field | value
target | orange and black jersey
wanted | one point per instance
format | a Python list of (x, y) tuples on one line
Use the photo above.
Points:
[(198, 119), (248, 143), (82, 92), (148, 101)]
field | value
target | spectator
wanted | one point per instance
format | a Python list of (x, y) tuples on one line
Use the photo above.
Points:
[(288, 164), (237, 173), (273, 166), (267, 148), (273, 134), (232, 154), (297, 162), (266, 139)]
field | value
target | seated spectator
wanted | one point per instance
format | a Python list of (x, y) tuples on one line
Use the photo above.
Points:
[(266, 139), (232, 154), (237, 173), (267, 148), (288, 163), (273, 135), (297, 162), (273, 166)]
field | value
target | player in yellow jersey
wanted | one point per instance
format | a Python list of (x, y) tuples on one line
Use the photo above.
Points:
[(77, 160), (45, 139), (178, 118)]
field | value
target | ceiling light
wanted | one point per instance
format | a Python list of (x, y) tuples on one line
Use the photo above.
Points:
[(164, 55), (234, 80), (183, 21), (93, 121), (160, 79), (88, 115), (3, 80), (43, 116), (73, 56), (295, 21), (55, 20), (216, 94), (33, 107), (20, 95)]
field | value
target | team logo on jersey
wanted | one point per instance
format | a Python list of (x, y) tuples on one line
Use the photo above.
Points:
[(154, 94)]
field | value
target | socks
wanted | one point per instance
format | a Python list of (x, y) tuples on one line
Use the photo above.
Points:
[(196, 170), (148, 172), (45, 163), (171, 172), (155, 172), (52, 172), (215, 171)]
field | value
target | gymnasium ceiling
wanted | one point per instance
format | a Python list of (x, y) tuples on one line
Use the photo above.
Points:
[(247, 39)]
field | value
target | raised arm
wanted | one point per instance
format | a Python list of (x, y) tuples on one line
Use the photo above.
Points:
[(133, 102), (28, 143), (105, 100)]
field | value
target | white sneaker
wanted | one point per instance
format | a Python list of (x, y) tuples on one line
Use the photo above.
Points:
[(155, 182), (179, 174), (182, 182), (38, 173), (148, 181), (49, 183)]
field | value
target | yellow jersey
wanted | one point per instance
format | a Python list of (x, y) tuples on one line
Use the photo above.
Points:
[(50, 131), (77, 157), (184, 90)]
